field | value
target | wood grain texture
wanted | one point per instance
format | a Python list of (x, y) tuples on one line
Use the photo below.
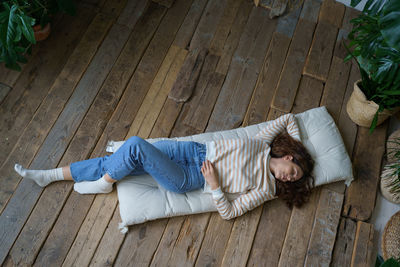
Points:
[(267, 80), (4, 90), (157, 94), (361, 194), (299, 231), (132, 12), (34, 83), (363, 251), (291, 74), (188, 75), (278, 8), (233, 37), (335, 87), (246, 64), (270, 235), (308, 95), (37, 130), (166, 3), (225, 26), (323, 235), (207, 25), (344, 244), (320, 54), (69, 120), (332, 12)]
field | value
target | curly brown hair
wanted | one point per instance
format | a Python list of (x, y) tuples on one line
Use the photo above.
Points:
[(298, 192)]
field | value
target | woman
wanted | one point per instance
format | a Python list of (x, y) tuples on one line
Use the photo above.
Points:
[(257, 168)]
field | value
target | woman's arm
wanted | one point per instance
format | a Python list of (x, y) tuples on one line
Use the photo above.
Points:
[(231, 209), (274, 128), (237, 207)]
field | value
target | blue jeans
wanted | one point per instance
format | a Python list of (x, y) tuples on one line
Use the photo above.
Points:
[(175, 165)]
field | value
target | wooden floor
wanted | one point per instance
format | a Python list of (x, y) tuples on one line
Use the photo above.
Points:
[(106, 73)]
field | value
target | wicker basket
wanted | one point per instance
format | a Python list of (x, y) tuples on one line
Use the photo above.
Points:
[(388, 178), (391, 238), (392, 147)]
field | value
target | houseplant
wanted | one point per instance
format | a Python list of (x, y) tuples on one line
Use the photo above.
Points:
[(18, 18), (375, 45)]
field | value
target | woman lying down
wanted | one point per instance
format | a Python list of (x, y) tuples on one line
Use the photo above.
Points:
[(271, 164)]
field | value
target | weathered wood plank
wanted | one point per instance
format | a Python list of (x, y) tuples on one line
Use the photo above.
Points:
[(344, 244), (34, 83), (37, 130), (233, 38), (188, 27), (110, 243), (85, 243), (241, 239), (363, 251), (347, 127), (225, 26), (49, 154), (208, 24), (246, 64), (349, 14), (270, 235), (199, 117), (166, 3), (361, 194), (308, 95), (184, 85), (41, 124), (323, 235), (4, 90), (298, 232), (132, 12), (332, 12), (267, 80), (212, 249), (335, 87), (320, 54), (185, 125), (291, 73), (113, 8), (157, 94), (310, 10)]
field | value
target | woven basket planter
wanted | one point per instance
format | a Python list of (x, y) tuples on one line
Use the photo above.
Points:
[(391, 238), (362, 111)]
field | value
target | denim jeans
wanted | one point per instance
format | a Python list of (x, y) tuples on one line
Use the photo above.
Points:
[(175, 165)]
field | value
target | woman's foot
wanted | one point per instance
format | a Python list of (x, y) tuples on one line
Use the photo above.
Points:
[(94, 187), (41, 177)]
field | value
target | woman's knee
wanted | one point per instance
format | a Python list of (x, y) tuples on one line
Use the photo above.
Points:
[(135, 140)]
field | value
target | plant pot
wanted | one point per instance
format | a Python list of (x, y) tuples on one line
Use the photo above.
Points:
[(386, 179), (41, 34), (391, 238), (362, 111)]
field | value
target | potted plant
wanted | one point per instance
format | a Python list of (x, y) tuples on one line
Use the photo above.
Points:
[(375, 45), (391, 262), (18, 21)]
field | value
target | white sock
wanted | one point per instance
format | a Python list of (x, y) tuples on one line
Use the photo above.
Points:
[(41, 177), (94, 187)]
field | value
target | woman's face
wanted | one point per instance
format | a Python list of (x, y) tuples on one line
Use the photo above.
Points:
[(286, 170)]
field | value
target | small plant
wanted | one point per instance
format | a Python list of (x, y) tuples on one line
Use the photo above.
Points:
[(17, 18), (375, 45), (391, 262)]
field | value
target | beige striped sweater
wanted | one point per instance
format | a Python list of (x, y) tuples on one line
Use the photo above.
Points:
[(243, 167)]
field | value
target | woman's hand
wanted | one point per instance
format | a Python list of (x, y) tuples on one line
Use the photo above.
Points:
[(209, 174)]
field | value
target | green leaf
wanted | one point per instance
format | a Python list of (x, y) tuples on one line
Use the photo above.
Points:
[(27, 30), (390, 28), (11, 31)]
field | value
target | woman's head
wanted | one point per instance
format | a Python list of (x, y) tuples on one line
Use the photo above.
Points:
[(292, 166)]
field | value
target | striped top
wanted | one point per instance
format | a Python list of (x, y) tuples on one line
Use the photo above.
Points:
[(243, 167)]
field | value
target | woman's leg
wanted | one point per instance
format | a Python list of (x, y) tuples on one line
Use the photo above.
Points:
[(137, 156)]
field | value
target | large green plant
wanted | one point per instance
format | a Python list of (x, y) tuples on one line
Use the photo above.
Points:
[(375, 44), (17, 18)]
